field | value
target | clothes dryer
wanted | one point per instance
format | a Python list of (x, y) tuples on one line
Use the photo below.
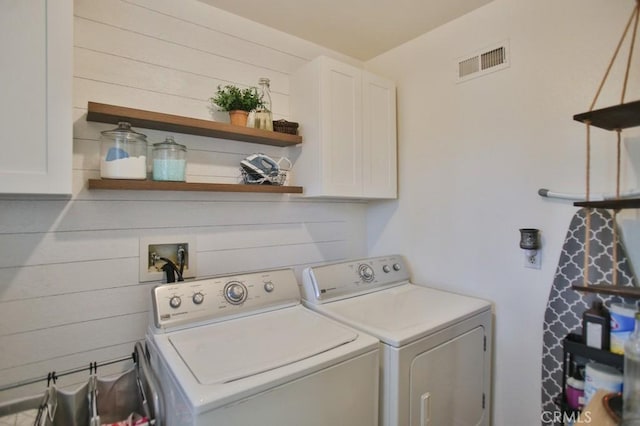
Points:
[(242, 350), (435, 345)]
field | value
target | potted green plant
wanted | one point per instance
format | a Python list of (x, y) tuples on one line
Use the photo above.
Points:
[(238, 102)]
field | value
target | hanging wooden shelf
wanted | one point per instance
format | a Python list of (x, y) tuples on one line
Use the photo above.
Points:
[(151, 185), (632, 292), (104, 113), (624, 203), (615, 117)]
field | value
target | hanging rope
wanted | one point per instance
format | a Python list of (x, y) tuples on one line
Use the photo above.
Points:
[(587, 230), (615, 54), (614, 253), (635, 18)]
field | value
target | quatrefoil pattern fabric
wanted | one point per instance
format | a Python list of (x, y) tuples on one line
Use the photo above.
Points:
[(566, 305)]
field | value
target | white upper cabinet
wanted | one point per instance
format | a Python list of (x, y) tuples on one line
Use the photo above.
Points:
[(379, 172), (36, 68), (348, 121)]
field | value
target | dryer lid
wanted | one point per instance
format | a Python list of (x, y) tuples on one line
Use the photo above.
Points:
[(402, 314), (232, 350)]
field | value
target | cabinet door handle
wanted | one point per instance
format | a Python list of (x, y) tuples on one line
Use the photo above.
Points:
[(425, 409)]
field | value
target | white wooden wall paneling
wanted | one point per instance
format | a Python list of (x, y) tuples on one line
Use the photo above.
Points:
[(129, 43), (52, 343), (61, 247), (196, 32), (243, 29), (55, 279), (116, 70), (35, 249), (87, 90), (40, 281), (259, 258), (75, 308), (85, 221), (69, 290)]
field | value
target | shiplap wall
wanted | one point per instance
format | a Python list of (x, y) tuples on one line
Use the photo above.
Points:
[(69, 289)]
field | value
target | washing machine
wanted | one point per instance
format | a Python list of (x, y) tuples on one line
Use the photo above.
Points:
[(435, 345), (242, 350)]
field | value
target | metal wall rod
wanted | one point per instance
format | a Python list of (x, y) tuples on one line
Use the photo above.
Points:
[(547, 193), (62, 374)]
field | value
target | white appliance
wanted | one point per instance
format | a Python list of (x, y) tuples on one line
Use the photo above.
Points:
[(436, 345), (242, 350)]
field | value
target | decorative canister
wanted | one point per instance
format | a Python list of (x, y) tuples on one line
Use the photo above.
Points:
[(169, 160), (123, 153)]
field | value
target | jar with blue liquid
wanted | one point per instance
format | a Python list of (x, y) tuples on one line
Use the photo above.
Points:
[(169, 161)]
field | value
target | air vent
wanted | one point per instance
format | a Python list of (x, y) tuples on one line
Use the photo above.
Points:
[(483, 62), (468, 66)]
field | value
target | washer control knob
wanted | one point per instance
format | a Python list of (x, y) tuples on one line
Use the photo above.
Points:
[(366, 272), (268, 286), (396, 266), (198, 298), (386, 269), (175, 302), (235, 292)]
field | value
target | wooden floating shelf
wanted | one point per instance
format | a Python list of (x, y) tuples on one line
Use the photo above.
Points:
[(626, 203), (104, 113), (616, 117), (151, 185), (633, 292)]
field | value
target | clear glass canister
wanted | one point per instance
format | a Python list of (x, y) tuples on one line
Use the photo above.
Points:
[(123, 153), (263, 117), (169, 160)]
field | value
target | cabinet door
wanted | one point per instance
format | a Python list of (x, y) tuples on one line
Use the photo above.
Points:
[(341, 129), (379, 148), (35, 109)]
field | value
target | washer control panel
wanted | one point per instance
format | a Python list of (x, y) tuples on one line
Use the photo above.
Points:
[(345, 279), (220, 298)]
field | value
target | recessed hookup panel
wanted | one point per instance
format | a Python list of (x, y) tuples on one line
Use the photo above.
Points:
[(155, 251)]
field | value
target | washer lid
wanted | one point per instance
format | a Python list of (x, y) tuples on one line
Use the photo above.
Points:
[(231, 350), (403, 314)]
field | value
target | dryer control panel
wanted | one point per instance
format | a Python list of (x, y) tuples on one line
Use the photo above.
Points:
[(216, 299), (346, 279)]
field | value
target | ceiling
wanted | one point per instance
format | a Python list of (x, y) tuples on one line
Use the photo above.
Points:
[(361, 29)]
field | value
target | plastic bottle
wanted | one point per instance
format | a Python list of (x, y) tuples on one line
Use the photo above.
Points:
[(631, 386), (595, 326), (263, 118)]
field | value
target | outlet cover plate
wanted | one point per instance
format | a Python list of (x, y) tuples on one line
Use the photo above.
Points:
[(533, 259), (148, 274)]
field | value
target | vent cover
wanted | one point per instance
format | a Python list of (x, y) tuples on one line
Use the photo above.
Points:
[(485, 61)]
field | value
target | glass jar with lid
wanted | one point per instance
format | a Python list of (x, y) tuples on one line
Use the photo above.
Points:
[(169, 160), (123, 153)]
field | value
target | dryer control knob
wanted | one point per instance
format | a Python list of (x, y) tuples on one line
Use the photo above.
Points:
[(268, 286), (198, 298), (386, 269), (235, 292), (175, 302), (396, 266)]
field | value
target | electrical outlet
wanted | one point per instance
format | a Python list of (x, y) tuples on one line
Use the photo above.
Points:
[(532, 259), (155, 251)]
